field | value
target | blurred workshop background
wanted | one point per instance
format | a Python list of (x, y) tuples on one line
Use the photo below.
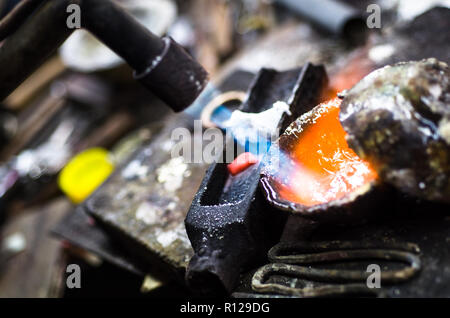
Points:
[(81, 115)]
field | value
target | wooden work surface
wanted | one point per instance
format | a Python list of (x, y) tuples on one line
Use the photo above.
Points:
[(37, 271)]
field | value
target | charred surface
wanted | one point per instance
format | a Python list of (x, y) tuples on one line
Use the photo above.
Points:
[(398, 118)]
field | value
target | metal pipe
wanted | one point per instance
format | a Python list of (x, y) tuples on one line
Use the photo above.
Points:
[(24, 51), (14, 19), (117, 29), (159, 63), (333, 16)]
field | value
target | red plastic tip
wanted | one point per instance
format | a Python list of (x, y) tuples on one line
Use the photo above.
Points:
[(242, 162)]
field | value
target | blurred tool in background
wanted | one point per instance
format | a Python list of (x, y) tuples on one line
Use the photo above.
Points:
[(333, 16), (160, 64), (52, 134), (83, 52)]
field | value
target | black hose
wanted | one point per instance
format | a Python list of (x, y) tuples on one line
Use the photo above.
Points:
[(15, 18)]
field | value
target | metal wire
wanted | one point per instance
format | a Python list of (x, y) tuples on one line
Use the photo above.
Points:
[(285, 255)]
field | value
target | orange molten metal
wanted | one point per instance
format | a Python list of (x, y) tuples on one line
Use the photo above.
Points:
[(326, 168)]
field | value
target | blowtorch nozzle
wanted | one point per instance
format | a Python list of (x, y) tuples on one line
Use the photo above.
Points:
[(174, 76)]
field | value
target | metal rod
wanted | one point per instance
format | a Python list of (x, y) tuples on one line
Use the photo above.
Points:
[(12, 21), (25, 50), (121, 32), (160, 64), (287, 258), (333, 16)]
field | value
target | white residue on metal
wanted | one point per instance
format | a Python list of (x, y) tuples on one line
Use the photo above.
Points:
[(14, 243), (122, 193), (171, 206), (156, 61), (264, 124), (172, 173), (435, 91), (381, 52), (167, 145), (193, 79), (148, 213), (50, 156), (135, 169), (166, 238), (198, 85), (444, 129)]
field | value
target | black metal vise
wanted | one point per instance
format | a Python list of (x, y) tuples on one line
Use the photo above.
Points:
[(230, 225)]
